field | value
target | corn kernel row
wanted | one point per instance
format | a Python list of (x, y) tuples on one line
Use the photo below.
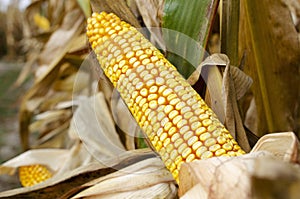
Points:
[(33, 174), (179, 124)]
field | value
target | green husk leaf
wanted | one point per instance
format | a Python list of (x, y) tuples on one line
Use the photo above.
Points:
[(85, 6), (230, 12), (186, 26)]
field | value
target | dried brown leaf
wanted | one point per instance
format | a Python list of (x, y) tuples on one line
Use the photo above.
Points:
[(162, 190), (272, 48), (195, 192), (124, 119), (30, 27), (93, 124), (52, 158), (252, 175), (45, 119), (225, 92), (51, 99), (284, 146), (67, 84), (152, 12), (233, 121), (58, 44), (79, 44), (214, 174), (66, 184), (148, 178), (56, 11), (27, 68), (54, 138), (214, 83), (78, 157)]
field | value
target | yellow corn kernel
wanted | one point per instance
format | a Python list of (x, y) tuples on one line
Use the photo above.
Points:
[(33, 174), (182, 127)]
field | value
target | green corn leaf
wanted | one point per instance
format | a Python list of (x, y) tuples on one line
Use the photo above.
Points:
[(230, 11), (85, 6), (186, 26)]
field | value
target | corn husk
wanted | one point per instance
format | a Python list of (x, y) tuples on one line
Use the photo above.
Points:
[(268, 170), (126, 175), (145, 179)]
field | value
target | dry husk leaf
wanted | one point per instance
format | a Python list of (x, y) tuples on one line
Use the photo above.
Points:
[(235, 85), (124, 119), (57, 160), (69, 182), (271, 42), (60, 43), (218, 175), (246, 174), (54, 138), (225, 92), (50, 62), (145, 179), (196, 191), (214, 83), (78, 44), (52, 158), (282, 145), (152, 13), (46, 50), (93, 125), (67, 84)]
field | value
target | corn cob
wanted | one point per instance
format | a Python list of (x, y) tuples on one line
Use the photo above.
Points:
[(176, 120), (33, 174)]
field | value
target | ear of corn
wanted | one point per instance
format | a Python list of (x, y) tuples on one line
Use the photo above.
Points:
[(33, 174), (178, 123)]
